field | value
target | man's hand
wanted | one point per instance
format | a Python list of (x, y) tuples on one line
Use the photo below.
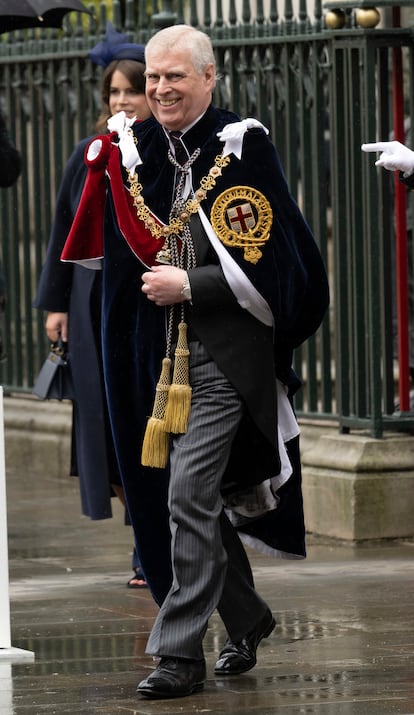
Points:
[(163, 284), (395, 156)]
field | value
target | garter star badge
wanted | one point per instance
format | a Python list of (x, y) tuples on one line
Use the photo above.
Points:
[(242, 218)]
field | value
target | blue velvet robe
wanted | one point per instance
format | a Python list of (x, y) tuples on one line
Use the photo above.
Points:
[(290, 276)]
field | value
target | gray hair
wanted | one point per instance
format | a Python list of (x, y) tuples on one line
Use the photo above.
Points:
[(187, 38)]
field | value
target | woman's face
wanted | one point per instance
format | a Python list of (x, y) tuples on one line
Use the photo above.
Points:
[(123, 97)]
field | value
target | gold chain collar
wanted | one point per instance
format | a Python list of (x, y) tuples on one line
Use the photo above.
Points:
[(176, 225)]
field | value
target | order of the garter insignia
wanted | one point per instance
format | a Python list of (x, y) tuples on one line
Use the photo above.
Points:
[(242, 218)]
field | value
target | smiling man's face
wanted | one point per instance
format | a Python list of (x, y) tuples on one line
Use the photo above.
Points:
[(176, 94)]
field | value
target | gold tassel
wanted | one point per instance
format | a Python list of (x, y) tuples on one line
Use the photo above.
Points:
[(178, 407), (155, 447)]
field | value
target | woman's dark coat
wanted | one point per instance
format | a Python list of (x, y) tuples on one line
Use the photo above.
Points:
[(64, 287)]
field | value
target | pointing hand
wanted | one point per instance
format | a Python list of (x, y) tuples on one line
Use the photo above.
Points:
[(394, 157)]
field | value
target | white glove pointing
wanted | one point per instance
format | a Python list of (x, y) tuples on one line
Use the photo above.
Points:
[(395, 156)]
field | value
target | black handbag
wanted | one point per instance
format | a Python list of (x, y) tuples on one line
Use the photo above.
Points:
[(54, 381)]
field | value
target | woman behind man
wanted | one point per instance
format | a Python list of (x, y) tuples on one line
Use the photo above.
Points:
[(71, 294)]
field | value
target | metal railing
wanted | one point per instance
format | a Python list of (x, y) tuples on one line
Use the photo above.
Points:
[(321, 93)]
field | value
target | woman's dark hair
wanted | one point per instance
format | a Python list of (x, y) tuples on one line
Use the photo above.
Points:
[(133, 71)]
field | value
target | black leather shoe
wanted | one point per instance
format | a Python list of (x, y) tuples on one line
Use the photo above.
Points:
[(174, 678), (236, 658)]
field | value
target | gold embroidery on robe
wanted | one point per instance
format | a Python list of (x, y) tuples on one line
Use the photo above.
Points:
[(242, 218)]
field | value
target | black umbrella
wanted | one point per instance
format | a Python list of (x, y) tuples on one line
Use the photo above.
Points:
[(18, 14)]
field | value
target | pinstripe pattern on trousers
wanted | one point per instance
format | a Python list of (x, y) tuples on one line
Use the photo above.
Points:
[(202, 538)]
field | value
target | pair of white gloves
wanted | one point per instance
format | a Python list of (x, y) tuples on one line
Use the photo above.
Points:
[(394, 157)]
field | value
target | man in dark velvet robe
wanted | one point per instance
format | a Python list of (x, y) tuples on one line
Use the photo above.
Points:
[(246, 278)]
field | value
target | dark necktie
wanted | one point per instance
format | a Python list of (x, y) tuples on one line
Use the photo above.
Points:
[(180, 153)]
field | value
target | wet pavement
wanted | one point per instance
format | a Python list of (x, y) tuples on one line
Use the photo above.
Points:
[(344, 643)]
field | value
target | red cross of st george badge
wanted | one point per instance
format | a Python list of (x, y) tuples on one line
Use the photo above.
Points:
[(241, 218)]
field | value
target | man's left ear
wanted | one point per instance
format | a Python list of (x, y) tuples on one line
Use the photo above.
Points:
[(210, 74)]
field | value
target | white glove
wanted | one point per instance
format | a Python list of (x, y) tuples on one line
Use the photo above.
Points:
[(395, 156)]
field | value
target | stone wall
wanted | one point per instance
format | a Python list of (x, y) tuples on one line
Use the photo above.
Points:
[(355, 487)]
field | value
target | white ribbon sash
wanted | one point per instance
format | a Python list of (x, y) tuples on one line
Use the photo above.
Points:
[(247, 295)]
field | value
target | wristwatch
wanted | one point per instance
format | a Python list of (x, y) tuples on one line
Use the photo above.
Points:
[(186, 289)]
